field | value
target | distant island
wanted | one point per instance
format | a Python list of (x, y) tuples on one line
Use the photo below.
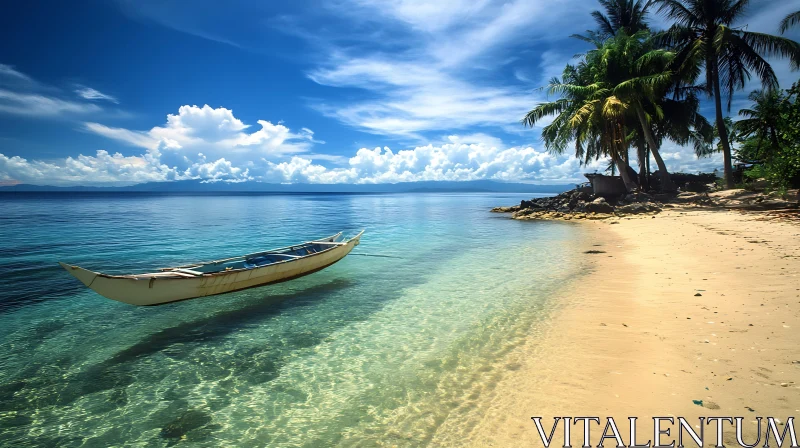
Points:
[(196, 186)]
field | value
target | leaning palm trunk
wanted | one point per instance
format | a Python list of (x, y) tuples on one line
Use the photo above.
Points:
[(630, 184), (666, 182), (619, 148)]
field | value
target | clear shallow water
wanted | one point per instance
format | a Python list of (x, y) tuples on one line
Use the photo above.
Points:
[(370, 352)]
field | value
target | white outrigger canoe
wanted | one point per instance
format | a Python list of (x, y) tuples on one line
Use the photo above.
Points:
[(220, 276)]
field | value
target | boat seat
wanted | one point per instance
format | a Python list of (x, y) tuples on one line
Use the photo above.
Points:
[(188, 271)]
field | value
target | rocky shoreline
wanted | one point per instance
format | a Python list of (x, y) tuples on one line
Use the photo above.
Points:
[(580, 203)]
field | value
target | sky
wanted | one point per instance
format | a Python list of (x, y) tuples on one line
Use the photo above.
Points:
[(119, 92)]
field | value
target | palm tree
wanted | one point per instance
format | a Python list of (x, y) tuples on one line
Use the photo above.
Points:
[(622, 15), (615, 97), (762, 121), (684, 125), (789, 21), (704, 38), (636, 73), (586, 114)]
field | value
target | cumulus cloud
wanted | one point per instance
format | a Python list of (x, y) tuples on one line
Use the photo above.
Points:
[(101, 169), (213, 132), (213, 145)]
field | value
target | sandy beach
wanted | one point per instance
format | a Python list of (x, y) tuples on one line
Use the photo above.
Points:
[(689, 313)]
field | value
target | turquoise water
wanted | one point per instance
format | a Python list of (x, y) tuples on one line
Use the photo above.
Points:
[(369, 352)]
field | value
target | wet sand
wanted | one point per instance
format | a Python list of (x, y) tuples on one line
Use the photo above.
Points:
[(690, 306)]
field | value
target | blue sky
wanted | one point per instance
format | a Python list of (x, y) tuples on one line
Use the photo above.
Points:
[(119, 92)]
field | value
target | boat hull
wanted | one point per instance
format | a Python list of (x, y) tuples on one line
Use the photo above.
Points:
[(156, 291)]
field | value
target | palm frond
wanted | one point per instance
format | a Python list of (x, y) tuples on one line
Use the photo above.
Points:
[(544, 110), (675, 10), (772, 46), (789, 21), (733, 11)]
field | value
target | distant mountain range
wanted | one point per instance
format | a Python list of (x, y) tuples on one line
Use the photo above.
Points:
[(194, 186)]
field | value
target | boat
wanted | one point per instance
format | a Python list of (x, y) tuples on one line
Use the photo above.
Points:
[(220, 276)]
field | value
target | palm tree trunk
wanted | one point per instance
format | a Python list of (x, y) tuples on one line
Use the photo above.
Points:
[(641, 156), (775, 145), (666, 182), (711, 64), (622, 164), (630, 184)]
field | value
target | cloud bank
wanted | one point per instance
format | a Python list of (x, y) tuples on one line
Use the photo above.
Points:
[(211, 144)]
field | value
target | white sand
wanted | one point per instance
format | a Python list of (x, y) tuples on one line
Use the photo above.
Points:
[(632, 339)]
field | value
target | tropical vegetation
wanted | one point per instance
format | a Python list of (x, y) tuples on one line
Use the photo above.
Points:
[(637, 87), (768, 134)]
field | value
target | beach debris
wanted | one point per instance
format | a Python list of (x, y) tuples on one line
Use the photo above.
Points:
[(593, 251), (698, 402), (698, 294), (750, 409)]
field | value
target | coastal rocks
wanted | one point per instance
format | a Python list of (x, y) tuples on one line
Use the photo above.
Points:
[(599, 205), (510, 209), (580, 204), (637, 197)]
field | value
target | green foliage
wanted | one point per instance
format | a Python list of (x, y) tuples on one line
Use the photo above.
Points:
[(770, 137), (704, 36), (637, 87)]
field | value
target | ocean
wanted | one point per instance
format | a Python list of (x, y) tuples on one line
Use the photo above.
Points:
[(373, 351)]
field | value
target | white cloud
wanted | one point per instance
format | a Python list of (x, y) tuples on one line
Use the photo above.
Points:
[(101, 169), (39, 105), (441, 65), (7, 71), (134, 138), (214, 132), (414, 98), (456, 158), (89, 93), (22, 95)]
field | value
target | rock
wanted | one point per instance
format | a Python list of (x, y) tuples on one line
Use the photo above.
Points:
[(599, 207), (638, 197), (521, 213), (510, 209), (188, 421)]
